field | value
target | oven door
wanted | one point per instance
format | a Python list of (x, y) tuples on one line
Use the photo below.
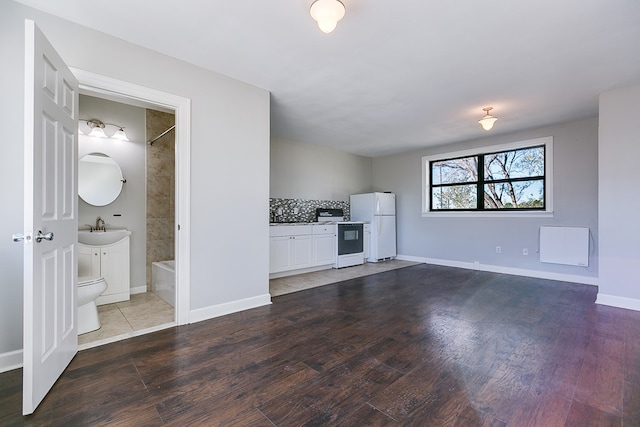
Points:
[(350, 238)]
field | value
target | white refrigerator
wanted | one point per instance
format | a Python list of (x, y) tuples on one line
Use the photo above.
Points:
[(380, 210)]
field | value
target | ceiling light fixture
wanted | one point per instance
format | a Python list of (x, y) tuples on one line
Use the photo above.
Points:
[(327, 13), (487, 120), (97, 129)]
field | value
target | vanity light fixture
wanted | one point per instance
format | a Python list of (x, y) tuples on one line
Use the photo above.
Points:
[(487, 120), (327, 13), (97, 129), (120, 135)]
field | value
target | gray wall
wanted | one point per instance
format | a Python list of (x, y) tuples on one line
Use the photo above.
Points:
[(311, 172), (468, 240), (619, 197), (229, 161), (131, 158)]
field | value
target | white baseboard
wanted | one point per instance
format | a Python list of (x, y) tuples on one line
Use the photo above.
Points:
[(573, 278), (411, 258), (10, 360), (206, 313), (620, 302), (138, 290)]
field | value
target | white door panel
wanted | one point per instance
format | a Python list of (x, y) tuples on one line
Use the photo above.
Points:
[(50, 266)]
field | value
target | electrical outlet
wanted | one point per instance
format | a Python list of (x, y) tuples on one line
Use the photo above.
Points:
[(498, 250), (525, 251)]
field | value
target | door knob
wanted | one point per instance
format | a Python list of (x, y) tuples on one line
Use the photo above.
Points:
[(40, 236)]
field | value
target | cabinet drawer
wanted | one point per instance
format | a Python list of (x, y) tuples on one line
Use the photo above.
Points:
[(289, 230), (324, 229)]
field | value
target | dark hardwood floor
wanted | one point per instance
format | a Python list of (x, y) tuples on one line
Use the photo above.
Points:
[(419, 346)]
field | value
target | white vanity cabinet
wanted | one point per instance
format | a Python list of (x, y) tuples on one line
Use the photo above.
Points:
[(108, 261), (324, 244), (301, 247)]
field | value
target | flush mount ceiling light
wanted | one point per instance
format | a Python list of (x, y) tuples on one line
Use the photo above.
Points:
[(97, 129), (487, 120), (327, 13)]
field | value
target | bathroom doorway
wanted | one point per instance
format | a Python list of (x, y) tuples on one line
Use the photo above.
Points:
[(166, 209)]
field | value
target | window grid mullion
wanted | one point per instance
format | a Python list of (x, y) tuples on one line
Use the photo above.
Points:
[(480, 185)]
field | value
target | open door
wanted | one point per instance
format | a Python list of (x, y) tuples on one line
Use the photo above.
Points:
[(50, 217)]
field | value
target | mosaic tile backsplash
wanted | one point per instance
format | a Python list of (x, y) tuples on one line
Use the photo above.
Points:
[(306, 209)]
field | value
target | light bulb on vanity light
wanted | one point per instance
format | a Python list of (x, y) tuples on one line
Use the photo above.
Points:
[(120, 135), (97, 128)]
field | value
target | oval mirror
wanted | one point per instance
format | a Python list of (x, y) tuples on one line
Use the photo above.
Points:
[(99, 179)]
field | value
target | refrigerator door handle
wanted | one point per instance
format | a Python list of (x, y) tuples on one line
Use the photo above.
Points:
[(379, 226)]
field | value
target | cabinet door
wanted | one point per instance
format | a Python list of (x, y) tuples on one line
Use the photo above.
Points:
[(367, 244), (300, 251), (115, 268), (88, 261), (324, 249), (278, 254)]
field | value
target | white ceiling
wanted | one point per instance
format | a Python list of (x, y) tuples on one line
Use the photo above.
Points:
[(395, 75)]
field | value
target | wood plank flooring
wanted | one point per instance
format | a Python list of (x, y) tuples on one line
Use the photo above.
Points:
[(418, 346)]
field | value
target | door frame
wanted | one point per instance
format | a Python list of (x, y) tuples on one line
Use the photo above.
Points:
[(103, 85)]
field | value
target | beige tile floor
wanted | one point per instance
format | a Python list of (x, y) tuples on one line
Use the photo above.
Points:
[(148, 311), (142, 311), (299, 282)]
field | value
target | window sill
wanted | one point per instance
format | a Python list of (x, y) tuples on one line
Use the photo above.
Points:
[(482, 214)]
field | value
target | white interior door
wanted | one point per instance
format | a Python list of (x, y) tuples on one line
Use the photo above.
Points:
[(50, 272)]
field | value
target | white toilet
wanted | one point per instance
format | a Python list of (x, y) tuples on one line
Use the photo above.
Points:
[(89, 288)]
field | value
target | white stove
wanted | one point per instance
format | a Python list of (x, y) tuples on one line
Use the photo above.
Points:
[(349, 238)]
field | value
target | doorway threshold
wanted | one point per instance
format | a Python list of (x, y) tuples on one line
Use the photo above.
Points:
[(125, 336)]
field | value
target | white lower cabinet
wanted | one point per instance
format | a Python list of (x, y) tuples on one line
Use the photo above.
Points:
[(110, 262), (366, 243), (301, 251), (300, 246), (324, 244), (279, 253)]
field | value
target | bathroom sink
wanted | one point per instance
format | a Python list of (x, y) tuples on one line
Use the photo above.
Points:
[(97, 238)]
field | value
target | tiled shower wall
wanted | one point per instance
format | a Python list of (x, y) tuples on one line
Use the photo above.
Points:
[(306, 209), (160, 190)]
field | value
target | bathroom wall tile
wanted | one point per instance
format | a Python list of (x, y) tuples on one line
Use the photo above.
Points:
[(160, 250), (160, 190), (159, 206), (161, 228)]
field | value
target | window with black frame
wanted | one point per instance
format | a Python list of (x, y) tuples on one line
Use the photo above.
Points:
[(493, 181)]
